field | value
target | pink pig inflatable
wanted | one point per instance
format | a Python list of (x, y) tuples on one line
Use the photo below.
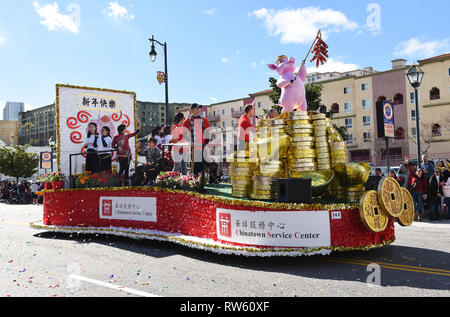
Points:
[(293, 96)]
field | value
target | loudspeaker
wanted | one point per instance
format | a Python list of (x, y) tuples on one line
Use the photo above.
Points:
[(294, 190)]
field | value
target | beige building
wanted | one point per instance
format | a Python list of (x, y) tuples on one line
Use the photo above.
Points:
[(9, 132), (434, 103)]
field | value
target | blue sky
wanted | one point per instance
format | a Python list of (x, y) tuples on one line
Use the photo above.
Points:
[(218, 50)]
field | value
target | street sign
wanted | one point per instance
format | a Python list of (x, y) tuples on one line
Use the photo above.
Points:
[(389, 122), (46, 160)]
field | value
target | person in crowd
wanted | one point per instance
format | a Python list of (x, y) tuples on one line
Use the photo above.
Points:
[(178, 151), (435, 194), (245, 128), (393, 175), (121, 142), (446, 181), (153, 157), (412, 169), (156, 134), (379, 173), (419, 190), (104, 149), (166, 135), (428, 167), (91, 146), (273, 113), (34, 187), (197, 125)]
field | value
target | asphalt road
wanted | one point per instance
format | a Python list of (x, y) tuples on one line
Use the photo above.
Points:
[(39, 263)]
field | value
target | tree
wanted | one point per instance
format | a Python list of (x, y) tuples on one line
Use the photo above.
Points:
[(16, 162)]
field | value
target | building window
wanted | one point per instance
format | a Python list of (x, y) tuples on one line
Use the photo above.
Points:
[(366, 121), (318, 77), (381, 99), (365, 87), (349, 139), (366, 105), (224, 124), (398, 99), (412, 97), (348, 108), (349, 123), (367, 136), (435, 93), (260, 104), (436, 131), (413, 115), (223, 111), (414, 133), (347, 90), (399, 133)]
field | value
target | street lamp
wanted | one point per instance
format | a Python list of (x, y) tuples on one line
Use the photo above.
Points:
[(153, 54), (415, 76), (52, 143)]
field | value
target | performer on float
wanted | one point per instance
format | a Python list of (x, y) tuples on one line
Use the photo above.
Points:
[(121, 142), (91, 146), (178, 151), (246, 129), (197, 125), (104, 149)]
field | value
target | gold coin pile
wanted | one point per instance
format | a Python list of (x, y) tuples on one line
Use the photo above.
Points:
[(338, 153), (264, 188), (321, 142), (302, 156), (241, 173)]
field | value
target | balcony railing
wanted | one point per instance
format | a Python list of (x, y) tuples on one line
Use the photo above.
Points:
[(237, 114), (213, 118)]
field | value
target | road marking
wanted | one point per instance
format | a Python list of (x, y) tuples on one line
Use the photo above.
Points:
[(115, 287), (392, 266)]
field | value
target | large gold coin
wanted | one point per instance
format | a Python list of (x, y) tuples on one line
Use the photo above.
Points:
[(373, 217), (390, 196), (406, 219)]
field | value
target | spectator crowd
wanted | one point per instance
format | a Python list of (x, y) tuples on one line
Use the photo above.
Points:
[(24, 192), (429, 185)]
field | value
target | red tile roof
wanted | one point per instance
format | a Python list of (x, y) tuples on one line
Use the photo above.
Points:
[(443, 56)]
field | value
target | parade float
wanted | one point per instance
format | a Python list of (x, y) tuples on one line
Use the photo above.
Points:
[(246, 217)]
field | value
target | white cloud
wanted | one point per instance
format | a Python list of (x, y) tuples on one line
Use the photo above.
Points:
[(210, 11), (333, 65), (421, 49), (213, 99), (54, 20), (253, 64), (300, 26), (117, 11), (225, 60), (2, 40)]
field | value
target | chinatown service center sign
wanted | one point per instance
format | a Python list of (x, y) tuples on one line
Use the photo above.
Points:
[(128, 208), (309, 229)]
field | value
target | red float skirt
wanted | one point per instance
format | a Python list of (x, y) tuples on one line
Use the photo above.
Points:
[(198, 221)]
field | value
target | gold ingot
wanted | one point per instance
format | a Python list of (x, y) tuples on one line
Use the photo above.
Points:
[(406, 218), (334, 134), (372, 214), (390, 196)]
